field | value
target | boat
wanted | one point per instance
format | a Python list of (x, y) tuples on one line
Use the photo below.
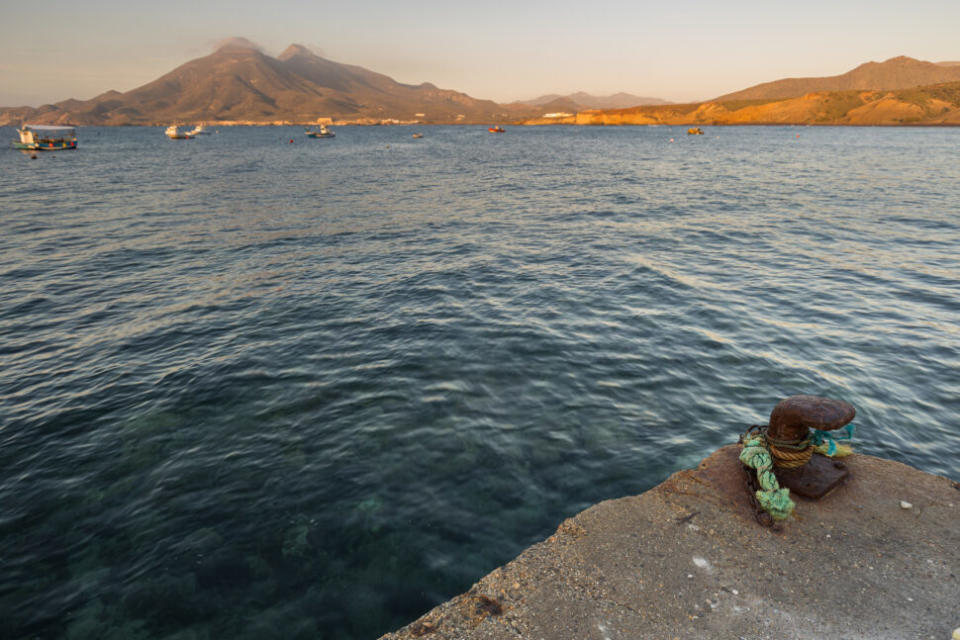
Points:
[(496, 129), (695, 131), (199, 130), (418, 135), (43, 137), (322, 132), (174, 134)]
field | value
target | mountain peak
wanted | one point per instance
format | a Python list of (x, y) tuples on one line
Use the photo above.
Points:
[(900, 72), (902, 59), (293, 51)]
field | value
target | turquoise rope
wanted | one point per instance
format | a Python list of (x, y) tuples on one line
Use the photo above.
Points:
[(820, 437)]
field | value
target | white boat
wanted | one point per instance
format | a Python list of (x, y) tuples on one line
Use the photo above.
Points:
[(199, 130), (322, 132), (174, 134), (42, 137)]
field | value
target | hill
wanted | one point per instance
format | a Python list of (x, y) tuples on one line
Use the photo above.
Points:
[(937, 104), (238, 83), (896, 73)]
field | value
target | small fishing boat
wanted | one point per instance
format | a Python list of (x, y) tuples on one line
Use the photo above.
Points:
[(695, 131), (322, 132), (42, 137), (496, 129), (199, 130), (418, 135), (174, 134)]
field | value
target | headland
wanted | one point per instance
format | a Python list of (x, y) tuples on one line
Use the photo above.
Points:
[(877, 558)]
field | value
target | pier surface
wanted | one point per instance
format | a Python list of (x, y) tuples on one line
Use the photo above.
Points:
[(877, 558)]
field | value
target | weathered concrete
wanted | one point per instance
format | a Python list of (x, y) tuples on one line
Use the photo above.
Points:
[(688, 560)]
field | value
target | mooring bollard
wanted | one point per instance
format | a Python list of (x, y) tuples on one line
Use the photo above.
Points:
[(788, 456), (793, 446)]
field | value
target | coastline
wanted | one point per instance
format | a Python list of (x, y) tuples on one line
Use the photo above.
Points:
[(687, 559)]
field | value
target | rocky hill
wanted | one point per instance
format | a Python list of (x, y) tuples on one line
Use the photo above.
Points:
[(240, 84), (896, 73), (937, 104)]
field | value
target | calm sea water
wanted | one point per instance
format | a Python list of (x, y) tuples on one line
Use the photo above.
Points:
[(254, 389)]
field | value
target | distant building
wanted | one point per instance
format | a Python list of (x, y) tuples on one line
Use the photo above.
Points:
[(419, 115), (558, 114)]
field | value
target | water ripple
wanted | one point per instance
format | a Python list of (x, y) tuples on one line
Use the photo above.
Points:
[(252, 388)]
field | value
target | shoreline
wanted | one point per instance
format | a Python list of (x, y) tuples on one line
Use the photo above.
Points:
[(687, 559), (231, 123)]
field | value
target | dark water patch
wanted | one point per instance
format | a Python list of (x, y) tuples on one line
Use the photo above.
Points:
[(323, 398)]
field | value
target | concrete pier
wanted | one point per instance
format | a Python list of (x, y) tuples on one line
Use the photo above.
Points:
[(878, 559)]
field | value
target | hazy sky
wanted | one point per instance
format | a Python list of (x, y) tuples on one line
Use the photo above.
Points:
[(51, 50)]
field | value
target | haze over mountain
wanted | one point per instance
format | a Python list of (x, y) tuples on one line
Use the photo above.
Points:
[(896, 73), (240, 83), (581, 100)]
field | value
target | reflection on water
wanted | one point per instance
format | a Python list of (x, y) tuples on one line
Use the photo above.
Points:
[(255, 389)]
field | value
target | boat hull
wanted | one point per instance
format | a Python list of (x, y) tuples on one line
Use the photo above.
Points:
[(45, 146), (311, 134)]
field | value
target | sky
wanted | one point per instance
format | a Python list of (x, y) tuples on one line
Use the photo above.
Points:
[(52, 50)]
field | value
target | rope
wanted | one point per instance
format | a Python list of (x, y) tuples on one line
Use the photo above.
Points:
[(762, 452), (788, 454), (825, 443), (770, 496)]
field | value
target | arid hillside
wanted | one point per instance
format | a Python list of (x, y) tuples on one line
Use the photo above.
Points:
[(931, 105), (896, 73)]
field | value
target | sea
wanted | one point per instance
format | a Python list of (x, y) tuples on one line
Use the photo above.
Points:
[(256, 385)]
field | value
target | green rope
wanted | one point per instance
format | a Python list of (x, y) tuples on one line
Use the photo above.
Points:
[(756, 455), (770, 496)]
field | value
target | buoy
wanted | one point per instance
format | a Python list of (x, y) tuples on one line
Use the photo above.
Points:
[(291, 140)]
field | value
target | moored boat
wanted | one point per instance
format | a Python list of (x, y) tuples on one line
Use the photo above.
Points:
[(199, 130), (496, 129), (42, 137), (695, 131), (322, 132), (175, 134)]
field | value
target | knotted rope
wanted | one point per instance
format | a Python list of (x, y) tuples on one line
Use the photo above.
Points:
[(761, 452), (773, 499)]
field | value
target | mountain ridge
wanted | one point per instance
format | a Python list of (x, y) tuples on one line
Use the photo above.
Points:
[(900, 72), (238, 82), (937, 104)]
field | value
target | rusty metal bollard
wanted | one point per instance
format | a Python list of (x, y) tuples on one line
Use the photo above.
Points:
[(808, 475)]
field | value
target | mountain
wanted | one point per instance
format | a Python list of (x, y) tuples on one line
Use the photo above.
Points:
[(581, 100), (238, 83), (937, 104), (896, 73)]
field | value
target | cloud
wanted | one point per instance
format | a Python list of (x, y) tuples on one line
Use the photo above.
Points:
[(236, 42)]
